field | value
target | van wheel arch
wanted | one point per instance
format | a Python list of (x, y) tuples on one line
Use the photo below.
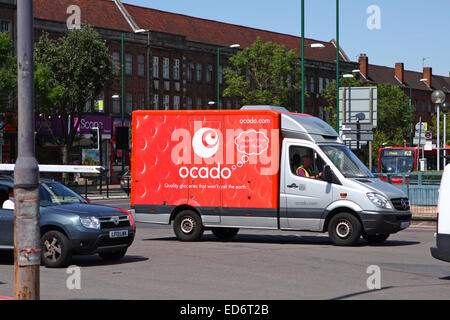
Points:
[(336, 211), (182, 208)]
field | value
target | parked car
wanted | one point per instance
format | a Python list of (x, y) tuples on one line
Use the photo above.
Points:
[(125, 181), (70, 225)]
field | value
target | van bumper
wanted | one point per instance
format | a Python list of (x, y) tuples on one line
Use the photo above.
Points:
[(385, 223), (441, 250)]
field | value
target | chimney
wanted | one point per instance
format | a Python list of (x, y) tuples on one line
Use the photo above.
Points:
[(428, 74), (400, 72), (364, 65)]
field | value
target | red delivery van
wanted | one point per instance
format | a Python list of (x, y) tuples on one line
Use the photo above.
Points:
[(258, 167)]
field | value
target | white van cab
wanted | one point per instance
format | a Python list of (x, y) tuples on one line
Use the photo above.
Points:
[(442, 249)]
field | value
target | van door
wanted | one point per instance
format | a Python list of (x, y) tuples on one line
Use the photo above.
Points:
[(304, 195)]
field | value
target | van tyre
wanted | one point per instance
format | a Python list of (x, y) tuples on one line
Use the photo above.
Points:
[(225, 234), (376, 238), (188, 226), (56, 250), (344, 229)]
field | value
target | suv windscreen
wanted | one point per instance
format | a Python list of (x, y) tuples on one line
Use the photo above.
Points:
[(54, 194)]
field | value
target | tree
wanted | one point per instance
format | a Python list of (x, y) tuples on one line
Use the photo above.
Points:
[(263, 74), (395, 116), (79, 66), (8, 69)]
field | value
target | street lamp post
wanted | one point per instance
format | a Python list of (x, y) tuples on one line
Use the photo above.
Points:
[(445, 109), (438, 97), (218, 69), (337, 64)]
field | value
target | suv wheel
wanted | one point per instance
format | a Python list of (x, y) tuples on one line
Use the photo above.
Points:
[(344, 229), (56, 249), (188, 226)]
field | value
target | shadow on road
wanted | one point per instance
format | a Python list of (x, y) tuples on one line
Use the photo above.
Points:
[(289, 239), (7, 258), (95, 261)]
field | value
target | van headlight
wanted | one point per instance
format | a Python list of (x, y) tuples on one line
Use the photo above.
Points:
[(379, 200), (90, 222)]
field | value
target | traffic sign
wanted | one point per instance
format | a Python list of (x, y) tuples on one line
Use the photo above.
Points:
[(429, 135), (354, 127), (416, 141)]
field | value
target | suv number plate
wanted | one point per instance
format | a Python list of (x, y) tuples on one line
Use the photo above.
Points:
[(118, 234)]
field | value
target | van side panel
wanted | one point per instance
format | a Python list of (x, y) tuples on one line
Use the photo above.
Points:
[(225, 163)]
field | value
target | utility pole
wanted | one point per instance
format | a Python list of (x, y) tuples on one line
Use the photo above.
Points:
[(27, 255)]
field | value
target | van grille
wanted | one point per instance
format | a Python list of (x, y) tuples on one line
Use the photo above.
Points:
[(401, 204), (109, 222)]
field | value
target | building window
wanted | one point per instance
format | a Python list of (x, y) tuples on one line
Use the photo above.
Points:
[(199, 72), (116, 105), (229, 104), (156, 101), (312, 84), (176, 102), (166, 72), (166, 102), (321, 87), (99, 103), (141, 102), (189, 71), (416, 105), (4, 26), (141, 66), (189, 103), (128, 103), (220, 74), (155, 67), (176, 69), (128, 64), (209, 71), (199, 103), (88, 105), (116, 62), (424, 106)]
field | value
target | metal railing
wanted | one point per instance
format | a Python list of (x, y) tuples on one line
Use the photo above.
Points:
[(99, 187), (422, 189)]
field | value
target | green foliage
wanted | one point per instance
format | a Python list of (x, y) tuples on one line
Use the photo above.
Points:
[(395, 116), (71, 70), (273, 71), (8, 69)]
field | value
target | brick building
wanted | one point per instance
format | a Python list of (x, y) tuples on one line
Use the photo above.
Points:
[(172, 66)]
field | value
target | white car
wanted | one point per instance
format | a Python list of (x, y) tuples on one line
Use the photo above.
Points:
[(442, 249)]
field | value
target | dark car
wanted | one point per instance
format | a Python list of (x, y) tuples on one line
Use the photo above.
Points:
[(125, 181), (70, 225)]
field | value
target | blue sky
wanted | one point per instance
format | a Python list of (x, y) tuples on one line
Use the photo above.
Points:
[(410, 29)]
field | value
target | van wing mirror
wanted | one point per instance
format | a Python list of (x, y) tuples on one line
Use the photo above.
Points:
[(327, 174)]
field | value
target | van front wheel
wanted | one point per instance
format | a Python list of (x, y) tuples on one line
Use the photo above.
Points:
[(344, 229), (188, 226)]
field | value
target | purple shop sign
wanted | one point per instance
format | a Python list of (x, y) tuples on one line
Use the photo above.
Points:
[(89, 122)]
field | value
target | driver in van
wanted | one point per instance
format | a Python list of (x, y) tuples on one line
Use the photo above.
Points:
[(304, 169)]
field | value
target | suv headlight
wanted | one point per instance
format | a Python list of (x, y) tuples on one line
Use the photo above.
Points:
[(379, 200), (90, 222)]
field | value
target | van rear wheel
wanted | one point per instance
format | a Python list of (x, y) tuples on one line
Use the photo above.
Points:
[(225, 234), (344, 229), (188, 226)]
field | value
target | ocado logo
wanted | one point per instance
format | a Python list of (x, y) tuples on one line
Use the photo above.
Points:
[(205, 142)]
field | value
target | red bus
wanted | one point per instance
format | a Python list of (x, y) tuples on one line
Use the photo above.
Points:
[(405, 159)]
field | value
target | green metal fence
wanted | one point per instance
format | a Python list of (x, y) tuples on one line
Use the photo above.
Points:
[(422, 189)]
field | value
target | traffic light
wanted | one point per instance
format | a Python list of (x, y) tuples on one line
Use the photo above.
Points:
[(95, 142)]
